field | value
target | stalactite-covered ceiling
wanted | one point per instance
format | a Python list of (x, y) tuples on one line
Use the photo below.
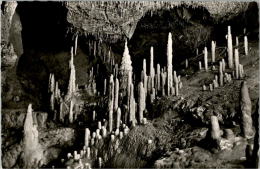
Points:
[(114, 20)]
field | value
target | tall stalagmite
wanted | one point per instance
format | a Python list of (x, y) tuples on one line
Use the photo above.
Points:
[(169, 63), (141, 101), (230, 48), (111, 103), (246, 108), (32, 149), (125, 68), (72, 81)]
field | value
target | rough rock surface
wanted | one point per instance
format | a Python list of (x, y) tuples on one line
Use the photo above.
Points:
[(113, 20)]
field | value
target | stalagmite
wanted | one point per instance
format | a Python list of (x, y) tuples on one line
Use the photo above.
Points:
[(32, 149), (221, 74), (116, 94), (132, 106), (141, 101), (71, 112), (99, 162), (145, 76), (237, 42), (152, 72), (76, 45), (118, 118), (87, 137), (206, 59), (213, 51), (52, 100), (230, 48), (111, 103), (176, 83), (158, 77), (200, 67), (246, 45), (94, 115), (169, 64), (246, 108), (186, 63), (210, 87), (105, 86), (72, 80), (99, 125), (215, 129), (256, 150), (237, 63), (126, 67), (223, 65)]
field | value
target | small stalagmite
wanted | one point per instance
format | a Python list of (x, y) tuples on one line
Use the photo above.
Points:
[(186, 63), (215, 129), (152, 72), (246, 108), (87, 137), (200, 67), (221, 78), (118, 118)]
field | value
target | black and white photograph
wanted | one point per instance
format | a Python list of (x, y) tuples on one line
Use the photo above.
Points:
[(129, 84)]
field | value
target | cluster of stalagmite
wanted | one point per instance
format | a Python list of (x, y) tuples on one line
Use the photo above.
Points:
[(224, 76)]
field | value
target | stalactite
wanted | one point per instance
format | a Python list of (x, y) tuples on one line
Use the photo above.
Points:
[(169, 63), (111, 102), (230, 48)]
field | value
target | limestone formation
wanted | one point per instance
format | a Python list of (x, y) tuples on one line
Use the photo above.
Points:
[(246, 108)]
